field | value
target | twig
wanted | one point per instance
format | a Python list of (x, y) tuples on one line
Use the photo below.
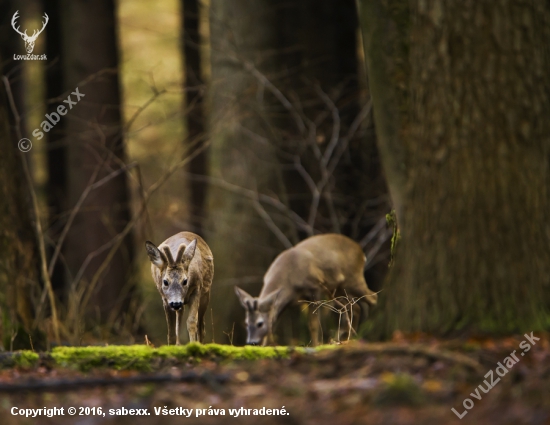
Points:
[(37, 225), (335, 128), (299, 221), (276, 92), (230, 335), (383, 237), (380, 224), (117, 240), (79, 203), (271, 224)]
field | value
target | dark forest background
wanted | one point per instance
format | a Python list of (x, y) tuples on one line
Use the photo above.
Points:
[(259, 123)]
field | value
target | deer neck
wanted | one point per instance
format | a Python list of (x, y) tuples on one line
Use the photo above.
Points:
[(282, 301)]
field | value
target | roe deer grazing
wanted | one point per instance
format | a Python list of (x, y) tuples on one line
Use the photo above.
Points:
[(322, 266), (183, 269)]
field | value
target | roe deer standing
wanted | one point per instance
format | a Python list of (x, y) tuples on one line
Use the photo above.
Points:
[(322, 266), (185, 280)]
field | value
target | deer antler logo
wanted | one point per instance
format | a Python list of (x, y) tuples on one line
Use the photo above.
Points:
[(29, 40)]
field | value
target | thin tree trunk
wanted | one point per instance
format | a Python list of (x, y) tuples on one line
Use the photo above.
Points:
[(474, 251), (241, 31), (56, 141), (194, 94)]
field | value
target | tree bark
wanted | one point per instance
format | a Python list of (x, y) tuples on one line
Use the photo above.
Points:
[(56, 141), (384, 27), (194, 118), (242, 31), (96, 145), (474, 252)]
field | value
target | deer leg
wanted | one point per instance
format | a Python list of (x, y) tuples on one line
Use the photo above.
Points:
[(205, 298), (313, 322), (179, 313), (269, 339), (192, 319), (169, 323)]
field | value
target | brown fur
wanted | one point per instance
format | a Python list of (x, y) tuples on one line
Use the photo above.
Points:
[(189, 275), (319, 267)]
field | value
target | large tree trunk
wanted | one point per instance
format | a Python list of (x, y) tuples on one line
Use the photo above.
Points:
[(474, 251), (243, 246), (384, 29), (194, 114), (96, 145)]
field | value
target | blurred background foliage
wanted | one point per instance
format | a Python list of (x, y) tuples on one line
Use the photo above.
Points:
[(157, 97), (251, 122)]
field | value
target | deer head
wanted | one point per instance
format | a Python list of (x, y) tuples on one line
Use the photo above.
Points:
[(258, 315), (174, 274), (29, 40)]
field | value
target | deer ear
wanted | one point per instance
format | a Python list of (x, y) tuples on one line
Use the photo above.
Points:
[(247, 301), (179, 255), (267, 302), (156, 257), (189, 252)]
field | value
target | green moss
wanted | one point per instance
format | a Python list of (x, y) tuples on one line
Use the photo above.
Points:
[(137, 357), (25, 359), (391, 219), (223, 351), (142, 357)]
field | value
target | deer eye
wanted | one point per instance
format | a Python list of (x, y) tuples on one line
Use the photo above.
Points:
[(259, 324), (165, 282), (184, 281)]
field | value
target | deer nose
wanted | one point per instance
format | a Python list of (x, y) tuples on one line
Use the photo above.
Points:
[(251, 343), (176, 306)]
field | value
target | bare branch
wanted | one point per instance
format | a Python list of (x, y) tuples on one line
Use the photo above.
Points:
[(250, 194), (37, 225), (335, 128), (276, 92), (384, 236), (117, 240), (380, 224)]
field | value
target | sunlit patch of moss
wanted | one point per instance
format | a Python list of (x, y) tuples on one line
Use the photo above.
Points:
[(328, 347), (142, 357), (25, 359), (223, 351), (136, 357)]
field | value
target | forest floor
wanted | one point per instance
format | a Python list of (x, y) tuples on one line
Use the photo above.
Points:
[(406, 381)]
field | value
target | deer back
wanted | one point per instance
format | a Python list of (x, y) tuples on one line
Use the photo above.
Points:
[(323, 262)]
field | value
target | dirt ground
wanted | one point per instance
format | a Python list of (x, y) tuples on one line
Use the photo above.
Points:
[(407, 381)]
